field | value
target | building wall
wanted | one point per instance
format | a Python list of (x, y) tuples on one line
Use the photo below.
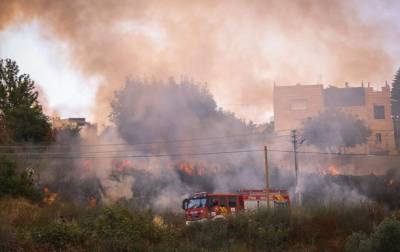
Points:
[(290, 116), (293, 104), (381, 126)]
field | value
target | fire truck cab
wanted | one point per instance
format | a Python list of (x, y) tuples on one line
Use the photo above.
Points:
[(204, 206)]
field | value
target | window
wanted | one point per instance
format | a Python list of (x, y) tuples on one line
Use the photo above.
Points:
[(222, 201), (232, 202), (212, 201), (196, 203), (216, 201), (379, 112), (378, 138)]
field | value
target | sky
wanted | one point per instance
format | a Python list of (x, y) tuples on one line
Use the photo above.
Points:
[(80, 52), (64, 91)]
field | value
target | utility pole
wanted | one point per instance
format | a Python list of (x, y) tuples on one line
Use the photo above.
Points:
[(296, 167), (266, 173)]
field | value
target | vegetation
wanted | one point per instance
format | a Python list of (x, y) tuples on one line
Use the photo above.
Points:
[(334, 129), (395, 94), (171, 110), (384, 238), (30, 221), (16, 184), (67, 227), (21, 115)]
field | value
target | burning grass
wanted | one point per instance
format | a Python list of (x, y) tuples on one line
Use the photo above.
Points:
[(68, 227)]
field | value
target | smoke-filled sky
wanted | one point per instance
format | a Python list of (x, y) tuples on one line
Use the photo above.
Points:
[(81, 51)]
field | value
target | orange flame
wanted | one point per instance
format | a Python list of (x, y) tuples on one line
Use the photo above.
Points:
[(333, 171), (187, 168), (92, 201), (49, 197)]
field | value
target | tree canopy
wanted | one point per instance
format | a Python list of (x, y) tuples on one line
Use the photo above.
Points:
[(334, 129), (150, 111), (21, 115), (396, 94)]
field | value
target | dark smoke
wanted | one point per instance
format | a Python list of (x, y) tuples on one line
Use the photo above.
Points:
[(240, 47)]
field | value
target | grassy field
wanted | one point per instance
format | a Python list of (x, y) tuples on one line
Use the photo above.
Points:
[(26, 226)]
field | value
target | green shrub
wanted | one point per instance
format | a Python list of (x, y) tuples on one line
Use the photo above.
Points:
[(385, 238), (58, 235), (119, 229), (16, 184)]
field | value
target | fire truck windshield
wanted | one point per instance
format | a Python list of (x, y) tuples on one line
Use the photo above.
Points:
[(196, 203)]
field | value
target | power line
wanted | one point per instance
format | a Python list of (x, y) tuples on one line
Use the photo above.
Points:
[(143, 156), (129, 150), (204, 154), (126, 145), (336, 154), (133, 144)]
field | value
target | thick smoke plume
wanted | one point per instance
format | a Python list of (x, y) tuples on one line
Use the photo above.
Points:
[(239, 47), (168, 140)]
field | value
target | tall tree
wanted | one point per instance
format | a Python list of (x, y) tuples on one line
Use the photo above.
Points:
[(396, 94), (334, 129), (20, 112)]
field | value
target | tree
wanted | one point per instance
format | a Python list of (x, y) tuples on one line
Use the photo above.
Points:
[(20, 112), (384, 238), (395, 94), (16, 184), (333, 129), (145, 112)]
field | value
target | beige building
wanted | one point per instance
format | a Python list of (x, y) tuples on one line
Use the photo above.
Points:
[(294, 104)]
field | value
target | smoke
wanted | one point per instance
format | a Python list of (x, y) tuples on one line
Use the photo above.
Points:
[(240, 48)]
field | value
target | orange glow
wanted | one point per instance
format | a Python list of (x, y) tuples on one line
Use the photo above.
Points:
[(199, 168), (187, 168), (92, 201), (49, 197), (333, 171)]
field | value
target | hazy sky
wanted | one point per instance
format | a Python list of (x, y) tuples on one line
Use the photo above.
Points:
[(64, 89), (79, 52)]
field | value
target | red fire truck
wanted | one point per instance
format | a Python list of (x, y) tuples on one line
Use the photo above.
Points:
[(203, 206)]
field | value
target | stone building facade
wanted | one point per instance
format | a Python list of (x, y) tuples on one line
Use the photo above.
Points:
[(294, 104)]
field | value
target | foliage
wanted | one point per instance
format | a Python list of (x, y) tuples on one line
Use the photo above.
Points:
[(58, 235), (395, 94), (385, 238), (171, 110), (116, 228), (20, 111), (4, 136), (16, 184), (68, 134), (334, 129), (66, 227)]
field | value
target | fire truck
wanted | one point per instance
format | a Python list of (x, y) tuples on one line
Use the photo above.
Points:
[(204, 206)]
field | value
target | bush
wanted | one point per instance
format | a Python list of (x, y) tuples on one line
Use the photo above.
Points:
[(16, 184), (258, 231), (58, 235), (385, 238), (119, 229), (69, 227)]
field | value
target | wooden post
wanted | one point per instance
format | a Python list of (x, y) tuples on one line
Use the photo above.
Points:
[(266, 173)]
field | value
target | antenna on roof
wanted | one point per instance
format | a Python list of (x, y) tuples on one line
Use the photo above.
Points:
[(362, 83)]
